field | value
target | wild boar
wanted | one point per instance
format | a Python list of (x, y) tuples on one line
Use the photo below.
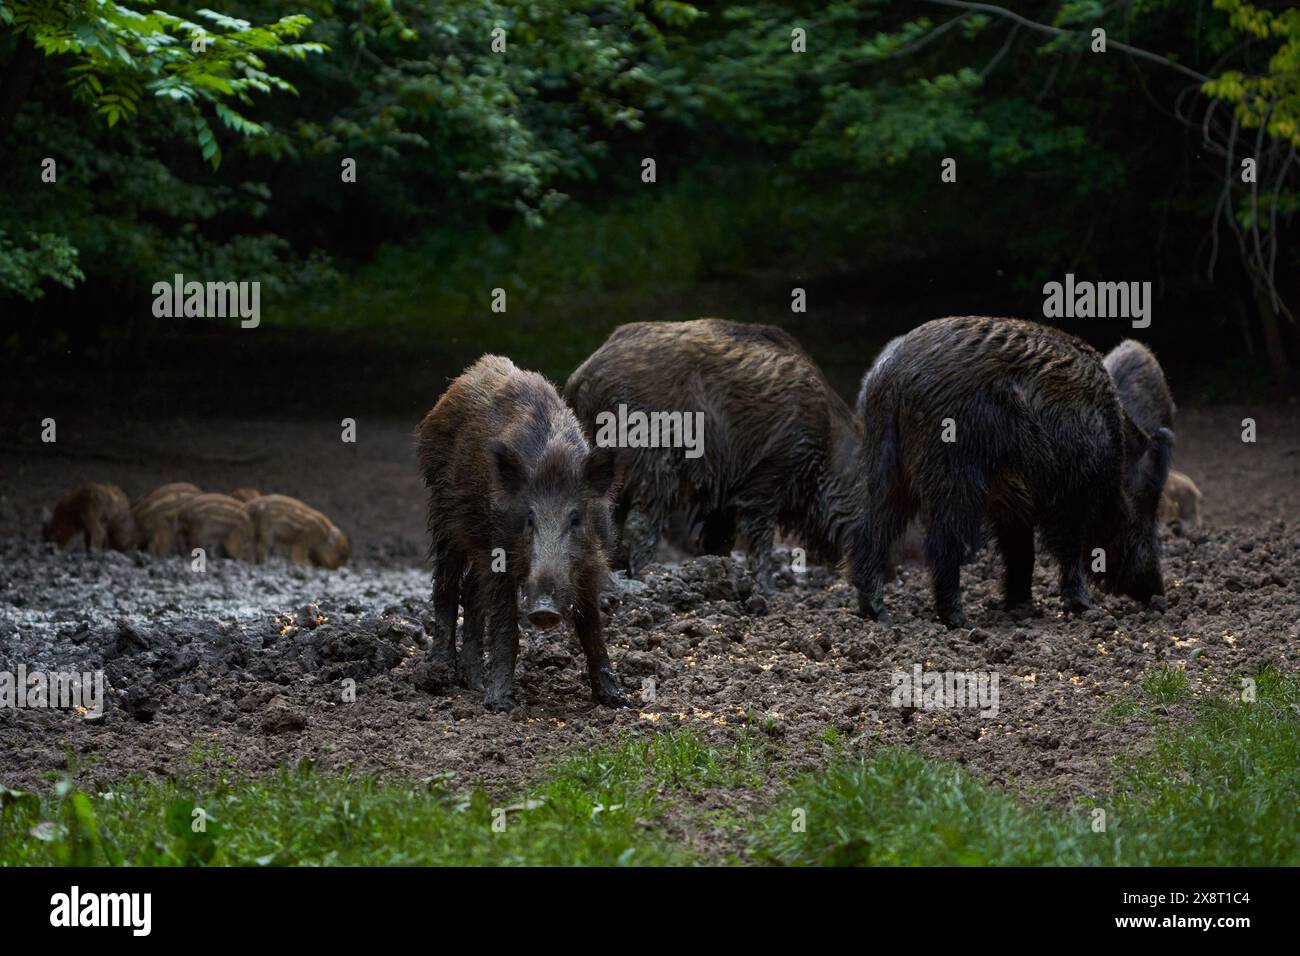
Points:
[(210, 521), (778, 447), (100, 513), (156, 513), (309, 535), (1003, 425), (519, 523), (1180, 500), (1140, 382)]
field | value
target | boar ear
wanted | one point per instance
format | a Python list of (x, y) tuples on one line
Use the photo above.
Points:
[(603, 471), (506, 473)]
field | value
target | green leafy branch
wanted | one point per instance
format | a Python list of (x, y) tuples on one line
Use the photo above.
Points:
[(123, 55)]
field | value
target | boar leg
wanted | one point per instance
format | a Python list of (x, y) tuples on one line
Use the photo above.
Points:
[(1065, 541), (756, 517), (586, 622), (871, 545), (237, 546), (120, 533), (498, 594), (471, 646), (758, 528), (448, 569), (641, 533), (945, 546), (1016, 542), (95, 534), (261, 542)]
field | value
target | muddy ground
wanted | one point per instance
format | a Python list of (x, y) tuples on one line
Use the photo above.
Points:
[(254, 658)]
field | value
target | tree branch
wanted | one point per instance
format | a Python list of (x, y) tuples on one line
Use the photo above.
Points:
[(1060, 32)]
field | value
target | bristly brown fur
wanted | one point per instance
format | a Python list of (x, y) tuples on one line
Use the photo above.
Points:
[(100, 513), (780, 447), (1040, 441), (210, 521), (309, 535), (155, 516), (499, 450)]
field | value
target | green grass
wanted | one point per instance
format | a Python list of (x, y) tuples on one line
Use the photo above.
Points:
[(900, 809), (1222, 789), (1165, 684), (601, 808)]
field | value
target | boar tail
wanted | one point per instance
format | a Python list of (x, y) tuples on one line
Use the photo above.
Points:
[(886, 471)]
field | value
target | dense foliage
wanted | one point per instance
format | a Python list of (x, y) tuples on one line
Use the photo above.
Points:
[(217, 143)]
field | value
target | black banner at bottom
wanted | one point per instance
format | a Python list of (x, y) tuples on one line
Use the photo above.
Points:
[(336, 906)]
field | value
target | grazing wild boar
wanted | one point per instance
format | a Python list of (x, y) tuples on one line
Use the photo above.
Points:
[(156, 513), (100, 513), (779, 445), (308, 534), (519, 521), (1180, 500), (211, 520), (1037, 439), (245, 494)]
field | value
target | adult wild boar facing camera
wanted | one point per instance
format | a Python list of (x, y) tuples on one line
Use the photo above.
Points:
[(519, 524), (1000, 424)]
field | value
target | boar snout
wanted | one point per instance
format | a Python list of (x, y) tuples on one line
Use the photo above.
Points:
[(542, 602), (544, 613)]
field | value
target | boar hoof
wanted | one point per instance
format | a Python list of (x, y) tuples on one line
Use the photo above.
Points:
[(1020, 610), (1076, 603), (608, 698), (954, 618), (875, 610), (605, 690)]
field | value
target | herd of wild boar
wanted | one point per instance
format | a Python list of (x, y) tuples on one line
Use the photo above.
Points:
[(974, 429), (179, 517), (977, 429)]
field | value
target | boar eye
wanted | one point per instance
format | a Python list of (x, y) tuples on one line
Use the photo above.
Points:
[(575, 519)]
